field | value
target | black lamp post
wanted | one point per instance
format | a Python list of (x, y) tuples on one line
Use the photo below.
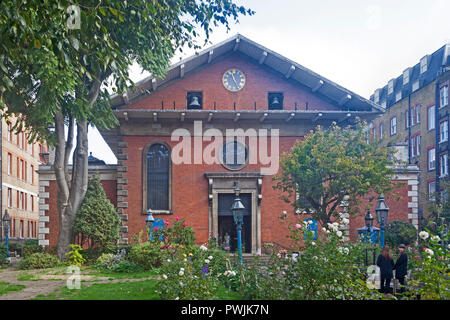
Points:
[(382, 211), (238, 213), (149, 223), (6, 221)]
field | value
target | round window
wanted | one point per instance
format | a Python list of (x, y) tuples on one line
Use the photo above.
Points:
[(234, 155)]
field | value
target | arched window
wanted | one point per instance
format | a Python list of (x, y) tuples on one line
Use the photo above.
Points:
[(157, 176)]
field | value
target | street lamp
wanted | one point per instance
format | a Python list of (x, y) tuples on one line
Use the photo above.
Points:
[(149, 223), (238, 213), (382, 211), (6, 221)]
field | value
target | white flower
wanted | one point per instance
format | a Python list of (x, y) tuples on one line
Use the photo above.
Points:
[(423, 234), (164, 276), (206, 261), (177, 298), (168, 260), (343, 250), (324, 229), (435, 238), (310, 221), (181, 273), (313, 243), (184, 259), (339, 234), (202, 247), (181, 269), (225, 273), (315, 258), (345, 221), (210, 257), (429, 251)]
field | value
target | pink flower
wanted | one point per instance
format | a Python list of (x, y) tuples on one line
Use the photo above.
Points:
[(298, 226), (177, 218), (167, 222), (184, 224), (156, 228)]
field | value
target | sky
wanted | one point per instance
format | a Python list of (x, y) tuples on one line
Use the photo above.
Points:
[(358, 44)]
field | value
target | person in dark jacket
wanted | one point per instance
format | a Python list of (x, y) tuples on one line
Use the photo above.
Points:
[(400, 267), (386, 264)]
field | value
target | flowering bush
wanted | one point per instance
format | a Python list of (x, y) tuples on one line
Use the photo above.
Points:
[(148, 255), (193, 275), (431, 268), (326, 268)]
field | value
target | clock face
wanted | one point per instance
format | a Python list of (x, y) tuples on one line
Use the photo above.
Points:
[(233, 80)]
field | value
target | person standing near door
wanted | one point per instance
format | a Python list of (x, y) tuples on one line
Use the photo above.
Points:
[(386, 264)]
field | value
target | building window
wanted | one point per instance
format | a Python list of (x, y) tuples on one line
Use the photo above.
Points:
[(432, 190), (157, 174), (381, 131), (443, 160), (431, 159), (415, 86), (194, 100), (406, 119), (444, 131), (393, 126), (32, 174), (377, 96), (383, 104), (444, 96), (417, 110), (390, 86), (406, 76), (9, 198), (275, 100), (9, 163), (424, 64), (32, 203), (374, 133), (21, 229), (398, 96), (431, 118), (415, 145)]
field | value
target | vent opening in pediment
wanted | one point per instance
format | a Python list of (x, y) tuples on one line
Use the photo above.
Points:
[(275, 101), (194, 100)]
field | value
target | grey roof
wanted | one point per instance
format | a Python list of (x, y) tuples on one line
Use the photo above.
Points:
[(435, 63), (327, 89)]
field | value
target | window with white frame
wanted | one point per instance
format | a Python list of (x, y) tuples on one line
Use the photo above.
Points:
[(431, 159), (9, 197), (383, 104), (444, 131), (443, 160), (406, 76), (424, 64), (415, 86), (377, 96), (431, 190), (417, 109), (406, 119), (393, 126), (398, 96), (381, 130), (412, 144), (431, 118), (444, 96), (390, 86), (418, 139)]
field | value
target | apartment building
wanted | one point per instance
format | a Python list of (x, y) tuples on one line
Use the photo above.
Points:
[(20, 182), (415, 115)]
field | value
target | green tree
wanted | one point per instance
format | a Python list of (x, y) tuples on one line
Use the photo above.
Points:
[(97, 221), (58, 57), (398, 232), (330, 166)]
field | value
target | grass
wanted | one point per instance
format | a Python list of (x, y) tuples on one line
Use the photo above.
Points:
[(6, 287), (118, 275)]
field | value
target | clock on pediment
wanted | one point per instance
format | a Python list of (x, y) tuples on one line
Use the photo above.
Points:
[(233, 80)]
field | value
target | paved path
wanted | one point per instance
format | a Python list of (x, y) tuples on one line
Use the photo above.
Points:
[(49, 283)]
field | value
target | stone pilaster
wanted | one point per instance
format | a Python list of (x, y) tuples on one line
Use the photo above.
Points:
[(122, 189)]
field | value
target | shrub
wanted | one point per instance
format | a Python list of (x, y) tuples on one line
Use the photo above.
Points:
[(3, 255), (74, 256), (97, 221), (30, 247), (40, 261), (148, 255), (398, 232), (105, 257)]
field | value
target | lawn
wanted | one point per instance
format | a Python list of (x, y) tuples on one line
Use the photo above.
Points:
[(6, 287), (135, 289)]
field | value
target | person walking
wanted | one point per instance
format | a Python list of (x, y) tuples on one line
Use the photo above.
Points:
[(386, 264), (401, 266)]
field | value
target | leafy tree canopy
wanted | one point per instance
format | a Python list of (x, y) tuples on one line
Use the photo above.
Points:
[(333, 165)]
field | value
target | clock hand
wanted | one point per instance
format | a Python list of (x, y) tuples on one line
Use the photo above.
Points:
[(232, 75)]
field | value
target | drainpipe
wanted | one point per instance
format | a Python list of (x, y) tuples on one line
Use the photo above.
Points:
[(409, 128), (438, 129)]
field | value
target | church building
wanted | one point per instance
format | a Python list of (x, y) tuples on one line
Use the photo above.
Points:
[(219, 118)]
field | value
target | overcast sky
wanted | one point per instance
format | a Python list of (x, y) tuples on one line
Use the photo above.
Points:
[(358, 44)]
